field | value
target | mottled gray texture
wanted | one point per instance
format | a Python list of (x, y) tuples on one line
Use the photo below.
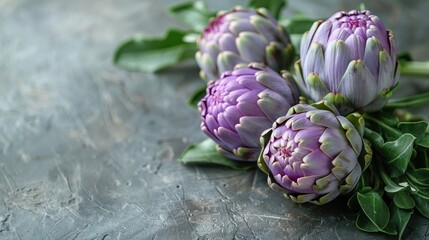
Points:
[(88, 151)]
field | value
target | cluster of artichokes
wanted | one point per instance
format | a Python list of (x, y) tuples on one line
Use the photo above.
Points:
[(252, 107)]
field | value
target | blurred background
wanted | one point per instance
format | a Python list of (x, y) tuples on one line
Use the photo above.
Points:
[(88, 151)]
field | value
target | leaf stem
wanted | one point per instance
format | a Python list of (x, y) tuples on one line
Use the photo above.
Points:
[(384, 176), (409, 102), (415, 68)]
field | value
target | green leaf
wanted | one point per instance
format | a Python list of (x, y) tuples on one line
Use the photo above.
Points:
[(374, 138), (419, 177), (422, 205), (417, 129), (393, 188), (298, 24), (352, 203), (151, 54), (274, 6), (404, 56), (390, 185), (423, 193), (295, 39), (361, 7), (389, 229), (418, 100), (365, 224), (400, 218), (383, 125), (206, 153), (196, 96), (422, 158), (424, 141), (388, 118), (414, 68), (374, 208), (362, 187), (404, 200), (194, 14), (398, 154)]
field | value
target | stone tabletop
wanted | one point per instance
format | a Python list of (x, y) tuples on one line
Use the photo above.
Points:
[(88, 151)]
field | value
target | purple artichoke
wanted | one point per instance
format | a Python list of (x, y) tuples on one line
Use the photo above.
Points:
[(312, 153), (241, 105), (349, 59), (241, 36)]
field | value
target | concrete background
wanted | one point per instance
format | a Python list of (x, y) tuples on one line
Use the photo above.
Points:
[(88, 151)]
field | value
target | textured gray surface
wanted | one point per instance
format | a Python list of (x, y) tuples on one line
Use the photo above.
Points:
[(88, 151)]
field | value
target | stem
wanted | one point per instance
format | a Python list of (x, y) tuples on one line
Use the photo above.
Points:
[(384, 176), (388, 181), (384, 126), (418, 100), (414, 68), (376, 181)]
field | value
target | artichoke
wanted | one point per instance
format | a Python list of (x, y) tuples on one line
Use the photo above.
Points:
[(349, 59), (241, 36), (312, 153), (242, 104)]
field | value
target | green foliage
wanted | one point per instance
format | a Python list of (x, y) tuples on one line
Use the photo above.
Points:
[(196, 96), (414, 68), (151, 54), (274, 6), (361, 7), (400, 218), (414, 101), (398, 154), (422, 205), (375, 209), (194, 14), (403, 200), (205, 153), (297, 24), (401, 162)]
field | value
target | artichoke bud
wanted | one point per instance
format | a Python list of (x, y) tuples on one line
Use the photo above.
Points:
[(242, 104), (353, 56), (242, 36), (313, 154)]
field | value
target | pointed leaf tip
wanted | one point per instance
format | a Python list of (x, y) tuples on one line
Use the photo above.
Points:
[(151, 54), (205, 153), (374, 208)]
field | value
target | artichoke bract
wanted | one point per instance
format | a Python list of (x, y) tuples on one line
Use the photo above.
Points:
[(242, 104), (349, 59), (312, 153), (241, 36)]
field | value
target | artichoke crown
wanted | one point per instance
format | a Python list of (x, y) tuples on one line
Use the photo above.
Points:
[(241, 36), (349, 59), (238, 107), (313, 154)]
